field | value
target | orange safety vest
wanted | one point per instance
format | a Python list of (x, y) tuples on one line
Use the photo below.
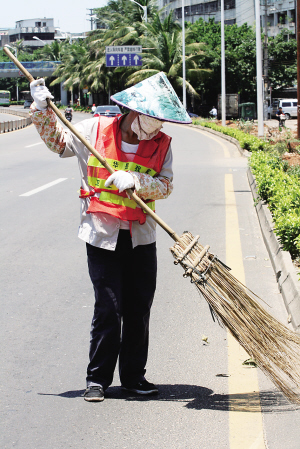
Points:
[(149, 159)]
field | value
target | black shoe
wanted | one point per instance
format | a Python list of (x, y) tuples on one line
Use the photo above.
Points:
[(94, 394), (142, 387)]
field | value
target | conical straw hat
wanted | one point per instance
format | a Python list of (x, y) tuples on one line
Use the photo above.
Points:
[(154, 97)]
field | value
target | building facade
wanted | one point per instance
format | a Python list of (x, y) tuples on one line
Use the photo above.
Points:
[(43, 29), (36, 33), (277, 14)]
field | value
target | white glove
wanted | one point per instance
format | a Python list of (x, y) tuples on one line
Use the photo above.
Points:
[(121, 179), (40, 93)]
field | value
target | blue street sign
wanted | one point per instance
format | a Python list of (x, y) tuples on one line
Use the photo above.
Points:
[(123, 60)]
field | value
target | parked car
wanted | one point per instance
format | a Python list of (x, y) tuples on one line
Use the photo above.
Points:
[(108, 111), (27, 103), (289, 107), (191, 114)]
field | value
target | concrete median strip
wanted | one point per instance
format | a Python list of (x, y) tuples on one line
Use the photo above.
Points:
[(14, 124)]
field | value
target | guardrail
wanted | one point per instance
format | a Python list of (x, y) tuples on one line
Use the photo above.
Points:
[(14, 124)]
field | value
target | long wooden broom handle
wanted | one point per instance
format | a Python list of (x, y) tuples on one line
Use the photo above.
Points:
[(95, 153)]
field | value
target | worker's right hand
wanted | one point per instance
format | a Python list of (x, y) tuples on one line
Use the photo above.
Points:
[(40, 93), (121, 179)]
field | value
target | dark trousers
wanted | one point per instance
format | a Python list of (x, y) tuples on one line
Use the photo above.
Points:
[(124, 282)]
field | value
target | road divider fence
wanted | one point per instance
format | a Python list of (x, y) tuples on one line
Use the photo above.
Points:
[(14, 123)]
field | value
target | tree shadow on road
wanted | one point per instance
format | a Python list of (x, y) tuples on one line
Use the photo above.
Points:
[(200, 398)]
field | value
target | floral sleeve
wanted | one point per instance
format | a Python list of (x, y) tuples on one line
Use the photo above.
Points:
[(48, 127), (149, 188)]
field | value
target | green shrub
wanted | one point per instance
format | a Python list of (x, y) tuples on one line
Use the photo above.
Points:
[(294, 170), (280, 147), (287, 227), (281, 190), (247, 141)]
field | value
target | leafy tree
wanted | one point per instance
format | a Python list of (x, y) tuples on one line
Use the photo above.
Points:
[(282, 60), (240, 58)]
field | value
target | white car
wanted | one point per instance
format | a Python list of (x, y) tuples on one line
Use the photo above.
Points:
[(289, 107)]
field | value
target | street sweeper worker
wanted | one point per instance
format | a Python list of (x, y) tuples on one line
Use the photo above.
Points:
[(120, 237)]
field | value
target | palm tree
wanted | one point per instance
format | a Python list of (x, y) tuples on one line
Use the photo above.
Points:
[(164, 54), (53, 51), (118, 13), (84, 64), (70, 72), (19, 45)]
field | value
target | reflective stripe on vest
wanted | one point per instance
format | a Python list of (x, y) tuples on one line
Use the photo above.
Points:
[(117, 165), (96, 180), (120, 201)]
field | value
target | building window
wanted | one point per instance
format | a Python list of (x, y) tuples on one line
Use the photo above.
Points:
[(37, 24), (199, 9), (228, 4), (44, 24), (282, 18), (230, 22)]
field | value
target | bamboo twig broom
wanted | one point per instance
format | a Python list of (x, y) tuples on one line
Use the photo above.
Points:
[(274, 347)]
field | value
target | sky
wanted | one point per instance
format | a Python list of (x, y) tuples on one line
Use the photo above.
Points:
[(69, 15)]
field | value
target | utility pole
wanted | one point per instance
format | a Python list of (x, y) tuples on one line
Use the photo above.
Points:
[(91, 18), (223, 84), (298, 67), (259, 89), (183, 58), (266, 63)]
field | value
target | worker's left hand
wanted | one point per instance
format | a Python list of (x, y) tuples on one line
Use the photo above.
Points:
[(40, 93), (121, 179)]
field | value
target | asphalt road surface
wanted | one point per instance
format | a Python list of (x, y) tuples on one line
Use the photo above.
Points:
[(206, 397)]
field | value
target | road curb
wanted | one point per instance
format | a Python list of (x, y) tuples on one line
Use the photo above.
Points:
[(284, 269), (285, 272)]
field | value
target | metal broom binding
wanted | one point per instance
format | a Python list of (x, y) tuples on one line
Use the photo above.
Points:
[(274, 347)]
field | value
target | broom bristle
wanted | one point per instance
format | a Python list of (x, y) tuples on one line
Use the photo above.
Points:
[(274, 347)]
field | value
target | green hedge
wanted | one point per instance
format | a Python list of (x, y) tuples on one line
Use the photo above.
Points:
[(247, 141), (281, 190)]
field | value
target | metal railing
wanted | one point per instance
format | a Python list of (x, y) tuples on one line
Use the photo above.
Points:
[(14, 124)]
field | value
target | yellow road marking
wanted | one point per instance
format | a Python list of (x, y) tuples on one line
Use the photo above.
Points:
[(245, 418), (209, 135)]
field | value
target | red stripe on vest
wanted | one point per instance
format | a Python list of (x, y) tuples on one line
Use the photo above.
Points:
[(121, 212)]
